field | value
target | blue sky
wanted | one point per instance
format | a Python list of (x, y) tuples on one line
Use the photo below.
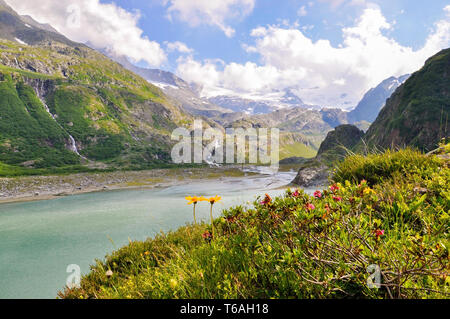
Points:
[(328, 52), (414, 19)]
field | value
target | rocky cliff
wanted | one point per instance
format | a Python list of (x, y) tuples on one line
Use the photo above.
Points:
[(315, 172)]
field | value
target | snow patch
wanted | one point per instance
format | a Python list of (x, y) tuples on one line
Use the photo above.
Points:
[(394, 84), (20, 41), (163, 86)]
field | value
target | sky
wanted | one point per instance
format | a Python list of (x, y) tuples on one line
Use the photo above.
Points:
[(328, 52)]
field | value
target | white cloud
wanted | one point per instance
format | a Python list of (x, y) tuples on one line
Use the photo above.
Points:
[(338, 75), (178, 46), (447, 9), (102, 25), (302, 11), (209, 12)]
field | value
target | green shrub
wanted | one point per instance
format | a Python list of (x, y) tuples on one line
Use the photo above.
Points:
[(375, 168)]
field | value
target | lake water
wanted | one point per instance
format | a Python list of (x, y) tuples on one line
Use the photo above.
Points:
[(38, 240)]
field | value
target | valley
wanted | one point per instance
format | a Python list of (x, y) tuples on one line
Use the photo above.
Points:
[(34, 188), (355, 173)]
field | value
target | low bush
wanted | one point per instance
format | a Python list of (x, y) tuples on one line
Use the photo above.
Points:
[(376, 168)]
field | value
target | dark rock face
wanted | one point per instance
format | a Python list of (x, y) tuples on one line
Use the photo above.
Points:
[(312, 176), (418, 112), (343, 136), (316, 172)]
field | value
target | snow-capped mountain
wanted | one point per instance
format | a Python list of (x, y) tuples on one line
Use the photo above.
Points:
[(261, 105), (178, 90), (374, 100)]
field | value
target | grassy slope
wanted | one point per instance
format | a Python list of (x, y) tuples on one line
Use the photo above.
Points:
[(114, 115), (292, 144), (27, 131), (285, 249), (417, 114), (296, 149)]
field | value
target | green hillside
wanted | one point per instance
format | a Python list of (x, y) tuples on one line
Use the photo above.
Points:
[(63, 105), (418, 113), (27, 132), (113, 115), (296, 145)]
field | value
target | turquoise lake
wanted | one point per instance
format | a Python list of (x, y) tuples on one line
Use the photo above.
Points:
[(38, 240)]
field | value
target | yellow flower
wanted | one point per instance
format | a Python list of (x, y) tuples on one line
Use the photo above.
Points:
[(173, 283), (213, 200), (193, 199), (369, 191)]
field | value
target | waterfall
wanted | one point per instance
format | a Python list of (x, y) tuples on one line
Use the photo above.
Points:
[(73, 145), (209, 159)]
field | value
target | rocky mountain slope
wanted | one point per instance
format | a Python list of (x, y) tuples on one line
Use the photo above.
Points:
[(63, 103), (373, 101), (336, 145), (417, 114), (263, 105), (313, 124), (308, 126), (178, 91), (295, 119)]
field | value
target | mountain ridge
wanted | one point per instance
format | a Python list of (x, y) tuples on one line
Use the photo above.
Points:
[(95, 111), (374, 99), (417, 113), (178, 90)]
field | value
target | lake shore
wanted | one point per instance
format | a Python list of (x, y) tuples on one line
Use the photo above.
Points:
[(34, 188)]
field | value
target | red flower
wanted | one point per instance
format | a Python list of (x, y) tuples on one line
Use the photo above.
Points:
[(379, 232), (334, 188), (310, 206), (317, 194), (267, 200), (337, 198), (296, 193), (207, 235)]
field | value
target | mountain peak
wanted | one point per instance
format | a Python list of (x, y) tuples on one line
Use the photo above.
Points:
[(374, 100), (25, 30)]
